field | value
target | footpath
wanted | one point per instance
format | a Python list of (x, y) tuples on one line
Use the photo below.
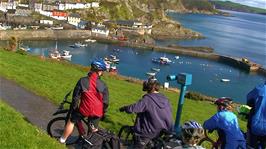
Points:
[(36, 109)]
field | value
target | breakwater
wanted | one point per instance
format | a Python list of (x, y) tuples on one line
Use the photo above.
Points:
[(44, 34)]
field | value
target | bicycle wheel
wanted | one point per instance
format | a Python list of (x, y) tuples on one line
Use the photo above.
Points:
[(55, 129), (126, 135)]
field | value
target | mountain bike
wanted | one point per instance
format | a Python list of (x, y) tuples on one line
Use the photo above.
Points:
[(81, 135)]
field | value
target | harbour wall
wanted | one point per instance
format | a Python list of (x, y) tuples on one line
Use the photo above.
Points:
[(44, 34)]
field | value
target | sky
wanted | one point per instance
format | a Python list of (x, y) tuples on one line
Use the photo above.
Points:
[(253, 3)]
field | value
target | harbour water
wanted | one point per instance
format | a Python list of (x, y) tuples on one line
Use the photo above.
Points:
[(207, 74), (227, 35), (240, 35)]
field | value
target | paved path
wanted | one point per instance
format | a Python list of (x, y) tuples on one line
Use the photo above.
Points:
[(36, 109)]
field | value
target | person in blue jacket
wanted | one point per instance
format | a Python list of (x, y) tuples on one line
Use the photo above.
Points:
[(256, 99), (226, 124), (153, 114)]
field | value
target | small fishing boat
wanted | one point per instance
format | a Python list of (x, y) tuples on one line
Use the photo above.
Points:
[(162, 60), (225, 80), (66, 55), (90, 40), (150, 73), (55, 55), (155, 69), (176, 57)]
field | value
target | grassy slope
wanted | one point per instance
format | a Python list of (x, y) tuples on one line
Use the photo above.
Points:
[(25, 135), (227, 5), (52, 79)]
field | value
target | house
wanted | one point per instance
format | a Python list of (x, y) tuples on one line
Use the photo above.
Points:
[(83, 25), (100, 31), (49, 7), (73, 19), (95, 4), (59, 15), (46, 13), (47, 22), (38, 7)]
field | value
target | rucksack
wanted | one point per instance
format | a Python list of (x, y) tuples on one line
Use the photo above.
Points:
[(101, 139)]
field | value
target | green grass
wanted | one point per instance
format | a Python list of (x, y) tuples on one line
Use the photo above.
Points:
[(54, 79), (17, 133)]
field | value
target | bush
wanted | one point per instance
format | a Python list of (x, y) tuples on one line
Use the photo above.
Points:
[(198, 96)]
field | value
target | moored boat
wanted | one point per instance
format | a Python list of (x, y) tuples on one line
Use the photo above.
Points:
[(66, 54), (225, 80)]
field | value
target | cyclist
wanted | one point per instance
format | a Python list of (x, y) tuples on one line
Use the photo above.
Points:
[(256, 99), (90, 99), (153, 114), (226, 123)]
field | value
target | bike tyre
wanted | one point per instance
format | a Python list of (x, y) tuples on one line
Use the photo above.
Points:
[(55, 129)]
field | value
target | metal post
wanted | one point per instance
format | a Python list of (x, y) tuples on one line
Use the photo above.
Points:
[(179, 109)]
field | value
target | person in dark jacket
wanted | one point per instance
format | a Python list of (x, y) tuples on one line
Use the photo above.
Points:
[(153, 114), (90, 99), (256, 133)]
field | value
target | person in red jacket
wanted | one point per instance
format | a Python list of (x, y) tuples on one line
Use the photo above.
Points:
[(90, 99)]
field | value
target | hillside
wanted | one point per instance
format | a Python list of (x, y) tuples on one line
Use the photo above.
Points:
[(227, 5), (151, 11)]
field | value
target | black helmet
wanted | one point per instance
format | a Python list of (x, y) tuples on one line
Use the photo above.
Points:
[(149, 84), (98, 65)]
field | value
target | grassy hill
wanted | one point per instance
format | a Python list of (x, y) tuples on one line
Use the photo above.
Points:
[(54, 79), (227, 5), (25, 135)]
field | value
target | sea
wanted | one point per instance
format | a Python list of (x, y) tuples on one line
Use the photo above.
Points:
[(240, 35)]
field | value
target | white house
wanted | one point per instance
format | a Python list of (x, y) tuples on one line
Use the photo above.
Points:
[(46, 13), (95, 4), (48, 22), (100, 31), (73, 19), (38, 7)]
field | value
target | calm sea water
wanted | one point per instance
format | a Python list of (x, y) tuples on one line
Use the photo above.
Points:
[(242, 35), (206, 74)]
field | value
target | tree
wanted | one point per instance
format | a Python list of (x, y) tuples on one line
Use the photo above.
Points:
[(13, 42)]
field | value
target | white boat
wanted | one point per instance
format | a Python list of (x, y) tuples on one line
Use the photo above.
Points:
[(165, 59), (90, 40), (150, 73), (79, 44), (225, 80), (155, 69), (176, 57), (55, 55), (66, 55)]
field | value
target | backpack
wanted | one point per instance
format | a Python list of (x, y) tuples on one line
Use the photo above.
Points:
[(101, 139)]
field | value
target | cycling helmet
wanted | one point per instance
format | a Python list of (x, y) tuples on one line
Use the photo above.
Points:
[(98, 65), (149, 84), (192, 130), (223, 102)]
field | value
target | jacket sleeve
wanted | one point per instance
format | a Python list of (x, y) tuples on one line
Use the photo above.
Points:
[(211, 123), (138, 107), (103, 89), (76, 95)]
